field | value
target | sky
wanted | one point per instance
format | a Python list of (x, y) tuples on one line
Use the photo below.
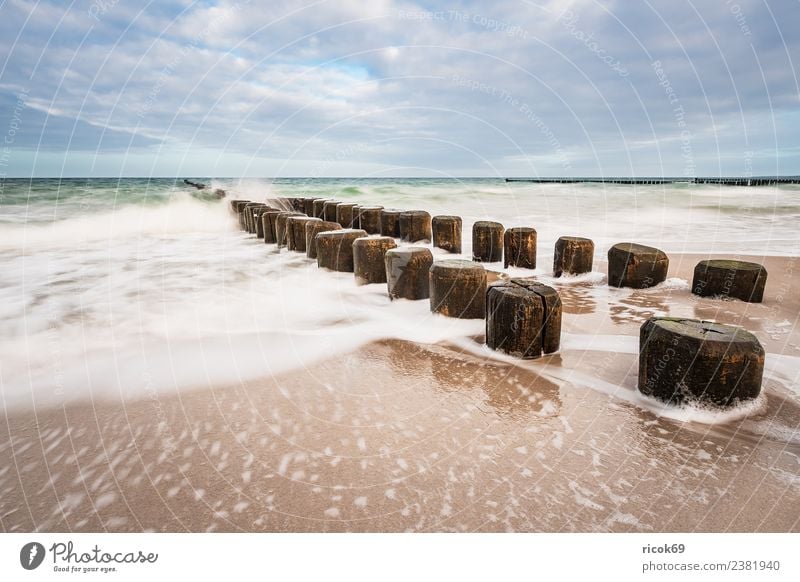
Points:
[(383, 88)]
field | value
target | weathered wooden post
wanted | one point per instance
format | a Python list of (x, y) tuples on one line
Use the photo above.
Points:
[(573, 255), (236, 205), (458, 289), (637, 266), (296, 232), (269, 220), (329, 210), (247, 215), (280, 227), (730, 278), (335, 249), (407, 272), (345, 214), (257, 214), (369, 218), (487, 241), (523, 318), (415, 226), (318, 207), (308, 206), (688, 360), (390, 222), (312, 230), (368, 259), (447, 233), (520, 247)]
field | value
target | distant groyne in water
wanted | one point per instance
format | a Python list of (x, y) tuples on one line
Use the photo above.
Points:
[(752, 181)]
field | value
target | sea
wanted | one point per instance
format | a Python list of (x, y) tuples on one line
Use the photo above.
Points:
[(129, 288)]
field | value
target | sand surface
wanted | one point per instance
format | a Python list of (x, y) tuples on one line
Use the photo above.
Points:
[(407, 437)]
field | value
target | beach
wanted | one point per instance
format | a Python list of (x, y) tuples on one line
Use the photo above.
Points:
[(369, 415)]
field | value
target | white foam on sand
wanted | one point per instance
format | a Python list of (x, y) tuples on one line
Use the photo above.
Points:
[(152, 299)]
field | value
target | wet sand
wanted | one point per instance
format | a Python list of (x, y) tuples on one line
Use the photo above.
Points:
[(404, 437)]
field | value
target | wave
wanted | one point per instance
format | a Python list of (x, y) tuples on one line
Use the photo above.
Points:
[(181, 214)]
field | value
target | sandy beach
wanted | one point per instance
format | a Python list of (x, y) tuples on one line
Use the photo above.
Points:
[(449, 436)]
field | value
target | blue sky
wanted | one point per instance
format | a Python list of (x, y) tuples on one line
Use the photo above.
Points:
[(387, 88)]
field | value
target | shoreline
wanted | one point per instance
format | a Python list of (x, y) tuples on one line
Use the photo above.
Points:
[(398, 436)]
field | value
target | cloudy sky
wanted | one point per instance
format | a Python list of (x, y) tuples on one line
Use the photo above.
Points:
[(394, 88)]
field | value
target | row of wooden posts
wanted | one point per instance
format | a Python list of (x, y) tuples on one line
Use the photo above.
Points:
[(680, 359)]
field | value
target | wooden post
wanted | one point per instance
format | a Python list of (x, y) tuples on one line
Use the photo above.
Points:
[(727, 278), (415, 226), (407, 272), (688, 360), (319, 207), (637, 266), (487, 241), (269, 220), (390, 222), (368, 259), (345, 214), (573, 256), (458, 289), (369, 218), (523, 318), (447, 233), (312, 230), (308, 206), (329, 210), (335, 249), (520, 247), (296, 232), (280, 227)]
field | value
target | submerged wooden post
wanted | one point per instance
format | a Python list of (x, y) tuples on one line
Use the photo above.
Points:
[(269, 220), (688, 360), (345, 214), (247, 216), (318, 207), (257, 214), (390, 222), (313, 228), (368, 259), (335, 249), (520, 247), (729, 278), (573, 255), (637, 266), (447, 233), (296, 232), (458, 289), (235, 205), (280, 227), (369, 218), (487, 241), (407, 272), (238, 207), (415, 226), (523, 318), (329, 210)]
